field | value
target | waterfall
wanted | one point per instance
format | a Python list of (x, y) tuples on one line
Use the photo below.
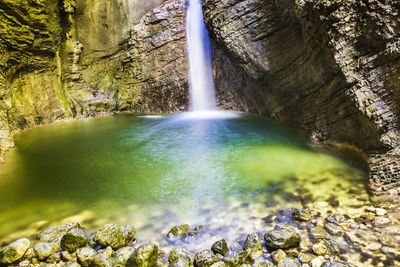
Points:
[(201, 83)]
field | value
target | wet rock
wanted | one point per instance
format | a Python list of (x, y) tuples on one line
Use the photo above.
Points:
[(317, 262), (180, 258), (352, 238), (380, 212), (43, 250), (103, 260), (305, 244), (390, 251), (205, 258), (253, 245), (284, 238), (238, 258), (278, 255), (66, 256), (55, 233), (115, 236), (387, 241), (123, 254), (333, 247), (54, 258), (72, 264), (336, 218), (305, 257), (334, 229), (74, 239), (317, 233), (144, 256), (177, 231), (220, 247), (86, 256), (14, 251), (190, 237), (199, 227), (29, 254), (319, 248), (292, 252), (25, 263), (302, 215), (219, 264), (381, 221), (286, 262)]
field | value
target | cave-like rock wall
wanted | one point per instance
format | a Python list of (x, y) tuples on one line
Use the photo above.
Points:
[(331, 66), (79, 58)]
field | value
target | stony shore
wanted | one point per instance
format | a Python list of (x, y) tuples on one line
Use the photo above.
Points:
[(292, 237)]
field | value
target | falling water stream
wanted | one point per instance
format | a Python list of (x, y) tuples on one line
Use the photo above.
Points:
[(201, 83)]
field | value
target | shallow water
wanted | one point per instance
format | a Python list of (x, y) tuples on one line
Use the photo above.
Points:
[(155, 172)]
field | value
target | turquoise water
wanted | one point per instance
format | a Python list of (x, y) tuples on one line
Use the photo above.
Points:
[(173, 169)]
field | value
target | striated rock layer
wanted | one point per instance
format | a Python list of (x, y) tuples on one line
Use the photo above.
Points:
[(79, 58), (330, 66)]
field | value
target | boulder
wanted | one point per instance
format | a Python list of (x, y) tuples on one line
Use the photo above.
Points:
[(14, 251), (55, 233), (44, 249), (284, 238), (86, 256), (220, 247), (144, 256), (74, 239), (115, 236), (252, 245), (303, 215), (205, 258)]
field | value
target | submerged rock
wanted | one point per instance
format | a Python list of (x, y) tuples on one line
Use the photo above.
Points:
[(43, 250), (205, 258), (334, 229), (317, 232), (302, 215), (319, 248), (177, 231), (74, 239), (14, 251), (283, 238), (278, 255), (286, 262), (115, 236), (144, 256), (333, 247), (220, 247), (55, 233)]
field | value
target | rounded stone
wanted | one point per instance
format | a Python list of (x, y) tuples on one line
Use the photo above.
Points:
[(14, 251), (123, 254), (205, 258), (55, 233), (43, 250), (220, 247), (74, 239), (317, 232), (284, 238), (180, 257), (115, 236), (333, 247), (86, 256), (303, 215), (319, 248), (144, 256), (278, 255), (334, 229), (286, 262)]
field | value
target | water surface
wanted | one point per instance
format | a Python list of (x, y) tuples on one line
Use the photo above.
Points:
[(158, 171)]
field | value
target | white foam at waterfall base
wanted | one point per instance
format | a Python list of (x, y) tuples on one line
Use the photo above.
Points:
[(201, 83)]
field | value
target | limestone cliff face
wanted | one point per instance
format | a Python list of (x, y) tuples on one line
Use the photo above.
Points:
[(331, 66), (79, 58)]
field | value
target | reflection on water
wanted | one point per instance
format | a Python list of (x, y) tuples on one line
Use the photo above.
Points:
[(157, 171)]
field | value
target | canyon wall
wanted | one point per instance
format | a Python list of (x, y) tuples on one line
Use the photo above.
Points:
[(79, 58), (332, 67)]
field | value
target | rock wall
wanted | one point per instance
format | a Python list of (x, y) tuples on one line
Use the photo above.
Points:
[(330, 66), (79, 58)]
